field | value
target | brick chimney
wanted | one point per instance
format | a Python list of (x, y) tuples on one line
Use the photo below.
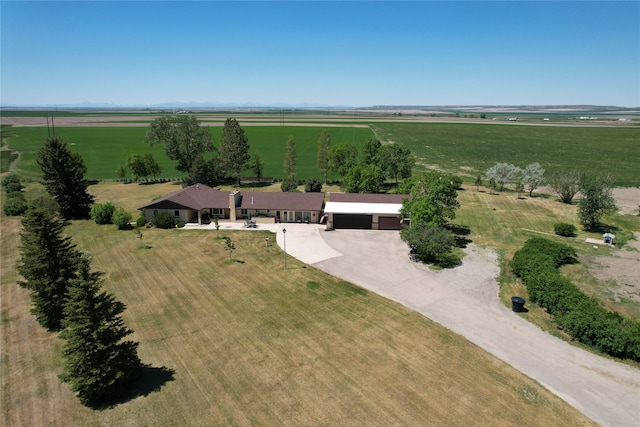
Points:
[(234, 202)]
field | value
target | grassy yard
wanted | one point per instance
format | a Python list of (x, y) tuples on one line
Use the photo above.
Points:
[(470, 149), (105, 148), (251, 344), (504, 221)]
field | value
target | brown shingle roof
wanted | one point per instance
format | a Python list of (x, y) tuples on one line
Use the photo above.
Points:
[(200, 196), (284, 201), (196, 197), (367, 198)]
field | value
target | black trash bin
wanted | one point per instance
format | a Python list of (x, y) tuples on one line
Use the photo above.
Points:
[(517, 304)]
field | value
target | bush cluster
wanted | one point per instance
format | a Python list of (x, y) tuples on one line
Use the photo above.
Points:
[(15, 203), (583, 317), (102, 213), (564, 229), (163, 220)]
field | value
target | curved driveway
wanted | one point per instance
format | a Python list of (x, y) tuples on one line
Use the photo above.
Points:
[(465, 300)]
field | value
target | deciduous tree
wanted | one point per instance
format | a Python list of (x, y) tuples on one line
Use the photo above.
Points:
[(63, 176), (342, 157), (396, 160), (182, 137), (370, 152), (48, 262), (363, 179), (434, 199), (428, 243), (503, 173), (143, 165), (234, 149), (97, 363), (566, 184), (203, 171), (533, 177), (597, 199)]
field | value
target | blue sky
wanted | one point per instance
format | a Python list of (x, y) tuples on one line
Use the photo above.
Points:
[(321, 53)]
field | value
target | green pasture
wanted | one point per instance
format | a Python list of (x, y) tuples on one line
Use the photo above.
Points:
[(470, 149), (104, 149)]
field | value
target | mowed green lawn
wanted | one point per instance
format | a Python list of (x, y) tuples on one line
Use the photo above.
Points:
[(252, 344), (104, 149), (470, 149)]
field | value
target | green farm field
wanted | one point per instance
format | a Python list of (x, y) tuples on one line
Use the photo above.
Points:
[(470, 149), (105, 148)]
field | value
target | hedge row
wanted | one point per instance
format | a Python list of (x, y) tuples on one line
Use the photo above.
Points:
[(583, 317)]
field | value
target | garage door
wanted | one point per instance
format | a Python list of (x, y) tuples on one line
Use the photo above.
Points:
[(389, 223), (353, 221)]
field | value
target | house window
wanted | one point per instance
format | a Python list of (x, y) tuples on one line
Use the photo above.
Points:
[(243, 211), (176, 213), (155, 212), (215, 211)]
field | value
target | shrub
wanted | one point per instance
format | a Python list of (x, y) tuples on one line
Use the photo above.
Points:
[(163, 220), (15, 204), (180, 224), (313, 186), (121, 218), (12, 178), (141, 221), (13, 187), (583, 317), (102, 213), (565, 230), (289, 184)]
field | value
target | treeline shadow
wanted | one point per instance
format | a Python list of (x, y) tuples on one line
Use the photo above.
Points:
[(150, 379), (460, 234)]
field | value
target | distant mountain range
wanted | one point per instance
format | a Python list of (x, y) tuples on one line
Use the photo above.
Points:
[(177, 106)]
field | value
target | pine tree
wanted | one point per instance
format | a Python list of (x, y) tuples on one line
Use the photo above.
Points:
[(324, 141), (63, 177), (234, 149), (98, 365), (48, 261)]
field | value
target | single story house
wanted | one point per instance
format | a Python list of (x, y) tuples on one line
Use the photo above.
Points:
[(364, 211), (191, 203)]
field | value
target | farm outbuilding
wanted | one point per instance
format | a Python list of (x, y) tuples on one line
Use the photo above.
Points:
[(364, 211)]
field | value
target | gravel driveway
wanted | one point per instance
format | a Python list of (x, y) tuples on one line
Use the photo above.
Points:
[(465, 300)]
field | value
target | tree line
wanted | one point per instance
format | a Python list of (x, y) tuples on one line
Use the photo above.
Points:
[(66, 296), (186, 142), (596, 188)]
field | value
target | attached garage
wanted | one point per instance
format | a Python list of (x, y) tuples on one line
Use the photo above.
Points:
[(352, 221), (389, 223), (364, 211)]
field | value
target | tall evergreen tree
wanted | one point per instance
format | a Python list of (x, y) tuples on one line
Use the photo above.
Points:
[(234, 149), (98, 365), (63, 176), (290, 157), (48, 262), (324, 141)]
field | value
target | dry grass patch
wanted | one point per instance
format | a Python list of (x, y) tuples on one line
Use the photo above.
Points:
[(253, 344)]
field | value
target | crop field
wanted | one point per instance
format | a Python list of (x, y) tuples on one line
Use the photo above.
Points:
[(105, 148), (470, 149), (246, 343)]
